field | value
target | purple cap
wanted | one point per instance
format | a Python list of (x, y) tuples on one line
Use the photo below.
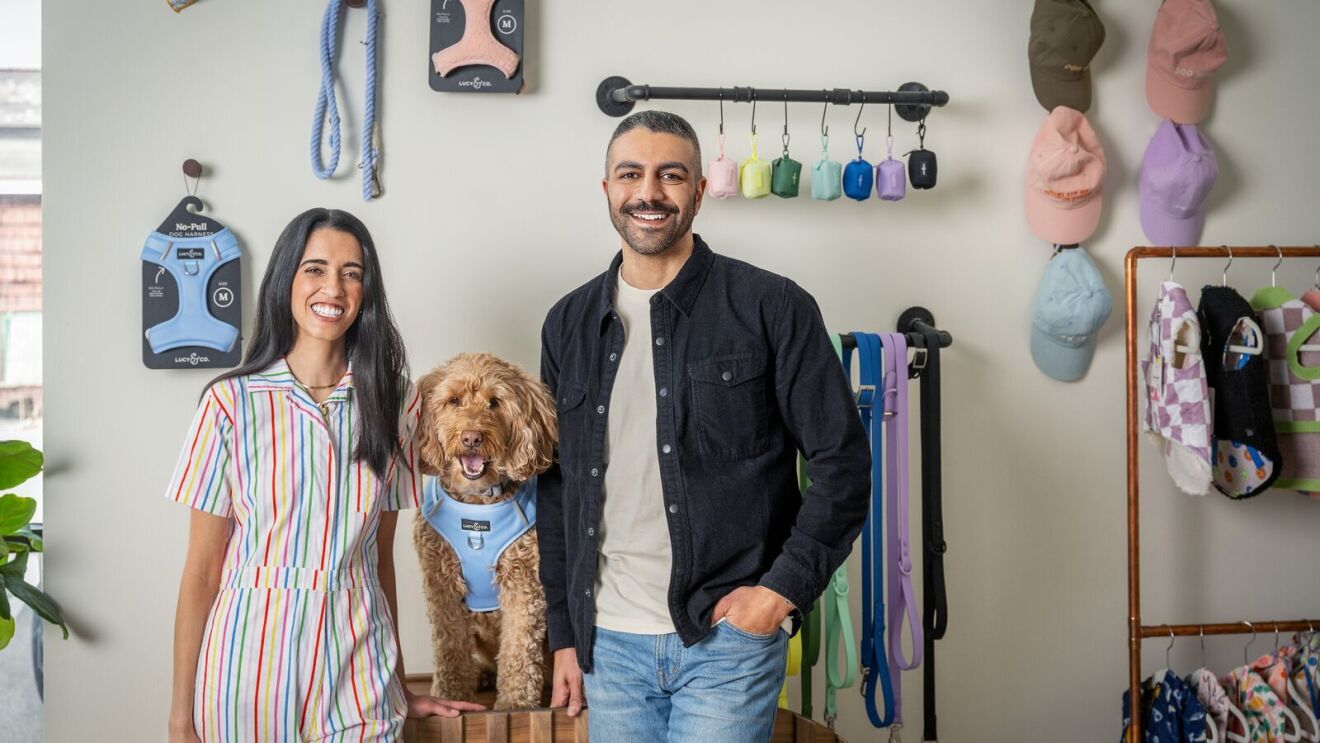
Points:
[(1177, 173)]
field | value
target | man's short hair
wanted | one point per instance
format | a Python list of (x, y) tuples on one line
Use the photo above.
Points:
[(663, 122)]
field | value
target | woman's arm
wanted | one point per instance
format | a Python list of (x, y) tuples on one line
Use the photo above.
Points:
[(418, 705), (207, 537)]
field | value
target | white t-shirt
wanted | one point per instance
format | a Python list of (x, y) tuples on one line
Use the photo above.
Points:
[(635, 557)]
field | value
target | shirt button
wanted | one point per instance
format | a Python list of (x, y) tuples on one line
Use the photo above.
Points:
[(666, 448), (594, 472), (664, 392), (726, 376), (588, 592), (600, 410), (659, 341), (591, 532), (673, 508), (614, 357)]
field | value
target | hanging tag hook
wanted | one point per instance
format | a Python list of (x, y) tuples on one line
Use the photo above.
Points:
[(191, 169), (753, 111), (784, 137), (721, 112), (861, 136)]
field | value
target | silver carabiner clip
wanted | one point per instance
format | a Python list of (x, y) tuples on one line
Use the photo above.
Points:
[(896, 733)]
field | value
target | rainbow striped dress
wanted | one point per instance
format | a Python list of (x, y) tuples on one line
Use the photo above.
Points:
[(299, 644)]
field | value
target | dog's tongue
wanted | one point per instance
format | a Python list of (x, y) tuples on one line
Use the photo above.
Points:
[(472, 463)]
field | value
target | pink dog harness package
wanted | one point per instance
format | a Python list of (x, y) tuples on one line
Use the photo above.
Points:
[(1177, 394)]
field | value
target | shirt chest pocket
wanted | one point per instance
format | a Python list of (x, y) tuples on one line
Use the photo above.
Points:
[(730, 405), (572, 426)]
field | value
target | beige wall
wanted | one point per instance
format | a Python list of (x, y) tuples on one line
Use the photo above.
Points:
[(492, 211)]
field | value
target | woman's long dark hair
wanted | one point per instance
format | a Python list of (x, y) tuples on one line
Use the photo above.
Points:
[(374, 346)]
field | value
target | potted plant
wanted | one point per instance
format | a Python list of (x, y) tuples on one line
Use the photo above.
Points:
[(19, 462)]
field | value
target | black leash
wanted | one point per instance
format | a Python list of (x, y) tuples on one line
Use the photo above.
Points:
[(934, 599)]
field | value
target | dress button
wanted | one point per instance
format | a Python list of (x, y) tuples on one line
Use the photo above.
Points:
[(726, 376), (659, 341), (673, 508), (600, 410), (666, 448), (664, 392), (594, 472)]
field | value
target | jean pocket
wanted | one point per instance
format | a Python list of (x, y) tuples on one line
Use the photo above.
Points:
[(744, 634), (730, 400)]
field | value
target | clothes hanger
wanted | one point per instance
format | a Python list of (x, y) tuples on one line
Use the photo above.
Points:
[(1257, 349), (1273, 280), (1211, 729), (1294, 696), (1172, 263)]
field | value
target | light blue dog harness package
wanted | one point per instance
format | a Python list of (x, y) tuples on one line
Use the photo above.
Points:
[(479, 534), (192, 261)]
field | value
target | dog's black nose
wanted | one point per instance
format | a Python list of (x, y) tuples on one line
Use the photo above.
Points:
[(472, 439)]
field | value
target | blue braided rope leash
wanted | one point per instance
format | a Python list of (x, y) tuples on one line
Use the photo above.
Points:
[(327, 105)]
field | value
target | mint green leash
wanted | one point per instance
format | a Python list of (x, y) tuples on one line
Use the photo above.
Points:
[(838, 624)]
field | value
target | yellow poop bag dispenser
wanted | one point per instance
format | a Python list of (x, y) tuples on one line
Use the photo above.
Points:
[(754, 173)]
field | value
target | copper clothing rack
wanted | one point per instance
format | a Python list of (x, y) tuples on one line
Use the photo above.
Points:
[(1136, 630)]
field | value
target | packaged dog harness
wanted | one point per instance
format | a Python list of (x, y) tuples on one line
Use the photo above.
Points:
[(1177, 393), (1294, 376), (1245, 453), (479, 534), (192, 262)]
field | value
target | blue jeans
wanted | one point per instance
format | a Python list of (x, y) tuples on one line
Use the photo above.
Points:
[(651, 689)]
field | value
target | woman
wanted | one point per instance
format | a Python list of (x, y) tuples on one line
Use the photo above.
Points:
[(296, 464)]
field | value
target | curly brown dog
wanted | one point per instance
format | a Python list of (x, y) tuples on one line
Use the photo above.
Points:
[(487, 427)]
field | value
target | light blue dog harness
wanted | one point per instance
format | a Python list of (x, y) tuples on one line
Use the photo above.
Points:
[(479, 534), (191, 261)]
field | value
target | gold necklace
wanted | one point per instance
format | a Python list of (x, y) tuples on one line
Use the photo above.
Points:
[(316, 387)]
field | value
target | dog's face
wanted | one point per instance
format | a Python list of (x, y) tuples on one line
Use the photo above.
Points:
[(484, 422)]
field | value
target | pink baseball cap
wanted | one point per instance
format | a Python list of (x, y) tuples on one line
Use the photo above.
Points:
[(1064, 171), (1186, 48)]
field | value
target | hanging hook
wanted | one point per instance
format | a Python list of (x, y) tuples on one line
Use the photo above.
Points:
[(1273, 281), (721, 112), (1173, 262), (1169, 649), (1225, 278), (1246, 660), (753, 111), (824, 130), (858, 120), (1203, 646), (784, 138), (1276, 641)]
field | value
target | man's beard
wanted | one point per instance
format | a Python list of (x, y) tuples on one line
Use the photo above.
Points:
[(652, 242)]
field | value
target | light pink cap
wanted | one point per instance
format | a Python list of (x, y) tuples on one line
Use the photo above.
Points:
[(1186, 48), (1064, 171)]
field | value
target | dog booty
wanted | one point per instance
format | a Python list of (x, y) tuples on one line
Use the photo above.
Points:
[(1291, 325), (1177, 394), (1245, 452)]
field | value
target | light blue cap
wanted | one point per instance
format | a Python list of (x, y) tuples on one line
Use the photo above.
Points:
[(1071, 304)]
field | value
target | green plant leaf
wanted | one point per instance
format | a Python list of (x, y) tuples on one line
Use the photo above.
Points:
[(18, 462), (4, 601), (6, 632), (17, 567), (43, 605), (4, 550), (15, 512), (29, 537)]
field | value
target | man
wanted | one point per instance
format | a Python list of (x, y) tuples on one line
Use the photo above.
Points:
[(676, 551)]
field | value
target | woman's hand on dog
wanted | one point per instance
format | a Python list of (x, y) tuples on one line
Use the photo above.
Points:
[(420, 705), (754, 609), (567, 685)]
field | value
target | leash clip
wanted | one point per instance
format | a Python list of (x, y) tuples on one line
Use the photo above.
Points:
[(829, 721), (918, 362), (896, 732)]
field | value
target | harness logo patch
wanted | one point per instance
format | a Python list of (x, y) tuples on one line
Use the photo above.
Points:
[(190, 254), (474, 525)]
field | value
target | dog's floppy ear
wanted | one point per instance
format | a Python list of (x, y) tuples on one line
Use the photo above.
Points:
[(432, 453), (535, 429)]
